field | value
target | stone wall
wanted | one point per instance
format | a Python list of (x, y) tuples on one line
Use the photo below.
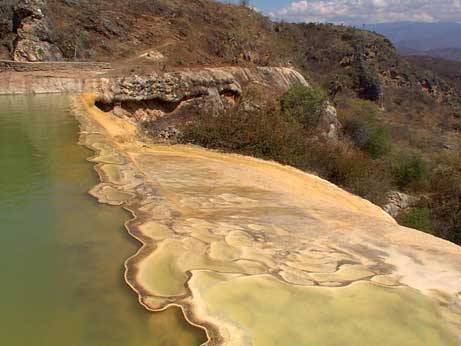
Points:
[(15, 66)]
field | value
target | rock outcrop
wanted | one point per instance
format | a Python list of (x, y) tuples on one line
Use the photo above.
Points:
[(178, 86), (34, 37), (26, 33), (24, 78), (329, 126), (160, 100), (398, 202)]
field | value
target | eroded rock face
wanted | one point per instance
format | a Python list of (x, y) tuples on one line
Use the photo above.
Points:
[(33, 33), (160, 100), (178, 86)]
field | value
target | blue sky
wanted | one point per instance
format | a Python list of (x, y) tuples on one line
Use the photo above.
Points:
[(361, 11), (271, 5), (267, 6)]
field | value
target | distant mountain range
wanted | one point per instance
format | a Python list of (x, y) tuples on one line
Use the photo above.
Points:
[(441, 40)]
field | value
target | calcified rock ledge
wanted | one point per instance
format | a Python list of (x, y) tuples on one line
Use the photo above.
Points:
[(71, 77), (260, 254)]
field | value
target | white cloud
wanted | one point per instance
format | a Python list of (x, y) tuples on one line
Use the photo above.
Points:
[(370, 11)]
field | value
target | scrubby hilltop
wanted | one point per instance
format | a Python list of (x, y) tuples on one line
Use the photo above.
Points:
[(204, 32), (139, 35), (400, 121)]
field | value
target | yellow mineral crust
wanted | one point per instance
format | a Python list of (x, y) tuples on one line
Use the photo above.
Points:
[(262, 311), (262, 254)]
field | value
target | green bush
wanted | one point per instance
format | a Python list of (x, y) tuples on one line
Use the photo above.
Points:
[(417, 218), (409, 170), (370, 85), (303, 103), (40, 52), (372, 140), (361, 124)]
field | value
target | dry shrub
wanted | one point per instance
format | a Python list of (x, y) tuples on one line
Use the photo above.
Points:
[(410, 170), (445, 204), (263, 130)]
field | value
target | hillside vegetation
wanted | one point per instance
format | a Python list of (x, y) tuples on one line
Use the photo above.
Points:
[(364, 161), (142, 35)]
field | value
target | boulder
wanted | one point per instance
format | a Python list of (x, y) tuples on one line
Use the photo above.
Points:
[(398, 202), (329, 125)]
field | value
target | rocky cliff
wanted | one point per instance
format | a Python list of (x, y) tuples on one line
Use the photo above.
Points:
[(27, 32), (158, 101)]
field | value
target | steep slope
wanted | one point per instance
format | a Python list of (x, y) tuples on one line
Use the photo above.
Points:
[(202, 32)]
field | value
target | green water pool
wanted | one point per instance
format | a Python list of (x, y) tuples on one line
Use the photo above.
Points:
[(62, 253)]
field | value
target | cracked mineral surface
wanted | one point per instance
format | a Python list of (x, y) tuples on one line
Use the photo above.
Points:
[(261, 254)]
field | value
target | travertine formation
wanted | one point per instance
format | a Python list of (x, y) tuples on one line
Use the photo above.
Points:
[(169, 86), (160, 101), (261, 254), (177, 86)]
